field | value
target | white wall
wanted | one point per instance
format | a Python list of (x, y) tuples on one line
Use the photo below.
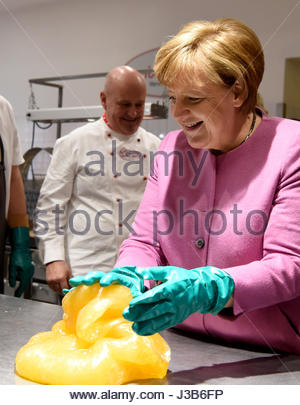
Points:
[(74, 36)]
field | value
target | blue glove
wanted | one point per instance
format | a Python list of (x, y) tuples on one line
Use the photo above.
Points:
[(20, 261), (182, 292), (120, 275)]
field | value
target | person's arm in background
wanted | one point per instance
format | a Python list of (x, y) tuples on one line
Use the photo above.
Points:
[(55, 194), (20, 262)]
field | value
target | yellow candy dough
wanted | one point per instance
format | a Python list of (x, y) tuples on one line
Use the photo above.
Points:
[(93, 343)]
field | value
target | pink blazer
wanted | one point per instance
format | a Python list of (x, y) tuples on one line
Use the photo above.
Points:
[(239, 211)]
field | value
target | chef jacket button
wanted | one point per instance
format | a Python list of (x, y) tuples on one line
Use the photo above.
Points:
[(118, 199), (111, 153), (120, 225), (115, 175), (138, 140), (145, 178), (108, 134), (145, 156), (200, 243)]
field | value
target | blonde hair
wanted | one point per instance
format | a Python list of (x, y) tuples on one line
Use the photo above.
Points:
[(260, 103), (225, 50)]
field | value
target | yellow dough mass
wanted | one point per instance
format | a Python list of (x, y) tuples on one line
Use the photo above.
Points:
[(93, 343)]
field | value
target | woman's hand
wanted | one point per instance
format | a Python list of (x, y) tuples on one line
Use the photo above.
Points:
[(126, 276), (181, 293)]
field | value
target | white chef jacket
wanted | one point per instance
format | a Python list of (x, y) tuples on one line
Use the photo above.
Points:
[(11, 143), (96, 179)]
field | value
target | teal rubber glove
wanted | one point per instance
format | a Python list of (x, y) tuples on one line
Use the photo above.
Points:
[(20, 265), (120, 275), (182, 292), (88, 279)]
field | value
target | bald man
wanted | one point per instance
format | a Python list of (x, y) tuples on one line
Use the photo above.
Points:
[(94, 184)]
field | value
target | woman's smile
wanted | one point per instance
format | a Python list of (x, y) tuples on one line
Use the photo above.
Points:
[(193, 126)]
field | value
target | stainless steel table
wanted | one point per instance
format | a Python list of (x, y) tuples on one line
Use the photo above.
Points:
[(194, 361)]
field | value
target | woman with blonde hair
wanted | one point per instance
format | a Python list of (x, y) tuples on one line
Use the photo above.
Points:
[(218, 228)]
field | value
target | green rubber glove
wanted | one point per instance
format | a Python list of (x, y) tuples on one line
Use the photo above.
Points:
[(88, 279), (182, 292), (20, 264), (120, 275)]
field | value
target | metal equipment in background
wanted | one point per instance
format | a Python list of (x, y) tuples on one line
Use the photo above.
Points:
[(32, 185)]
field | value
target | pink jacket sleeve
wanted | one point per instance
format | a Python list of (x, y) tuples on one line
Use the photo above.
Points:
[(276, 277)]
